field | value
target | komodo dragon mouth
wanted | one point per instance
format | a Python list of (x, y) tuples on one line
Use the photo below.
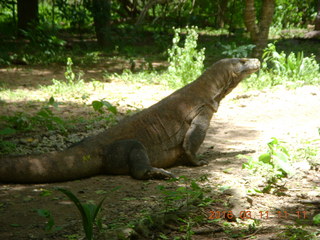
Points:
[(179, 121)]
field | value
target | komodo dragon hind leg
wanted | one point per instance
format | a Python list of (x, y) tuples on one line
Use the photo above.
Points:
[(195, 136), (130, 156), (139, 165)]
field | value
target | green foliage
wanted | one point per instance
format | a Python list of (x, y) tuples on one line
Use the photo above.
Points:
[(50, 220), (232, 50), (273, 165), (42, 37), (187, 227), (99, 105), (176, 204), (316, 219), (307, 150), (190, 193), (20, 121), (72, 86), (297, 233), (293, 13), (290, 66), (47, 118), (75, 13), (7, 147), (88, 212), (292, 70), (185, 63), (43, 118), (69, 74)]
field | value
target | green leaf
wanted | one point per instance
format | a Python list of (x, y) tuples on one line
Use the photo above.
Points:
[(45, 192), (43, 212), (88, 212), (195, 186), (223, 188), (265, 158), (110, 107), (316, 219), (47, 214), (281, 160), (7, 131), (15, 225), (86, 220), (97, 105), (100, 192)]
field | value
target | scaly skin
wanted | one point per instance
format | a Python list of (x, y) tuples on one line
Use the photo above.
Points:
[(155, 138)]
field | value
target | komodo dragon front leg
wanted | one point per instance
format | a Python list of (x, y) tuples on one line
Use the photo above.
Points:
[(195, 136)]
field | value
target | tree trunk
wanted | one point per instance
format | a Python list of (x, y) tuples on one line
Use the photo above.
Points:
[(259, 31), (145, 10), (317, 22), (221, 15), (101, 17), (27, 13)]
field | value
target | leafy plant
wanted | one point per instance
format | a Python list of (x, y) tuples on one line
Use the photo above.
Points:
[(291, 65), (316, 219), (307, 150), (18, 122), (6, 146), (273, 165), (43, 118), (99, 105), (72, 85), (292, 70), (189, 194), (47, 118), (297, 233), (185, 63), (50, 220), (88, 212), (42, 36), (187, 227), (232, 50)]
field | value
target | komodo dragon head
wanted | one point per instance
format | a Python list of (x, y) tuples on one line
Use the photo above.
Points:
[(233, 70)]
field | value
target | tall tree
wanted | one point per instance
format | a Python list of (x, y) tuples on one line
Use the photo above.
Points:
[(27, 13), (101, 16), (259, 29)]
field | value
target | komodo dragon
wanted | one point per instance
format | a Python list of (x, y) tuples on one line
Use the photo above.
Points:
[(141, 145)]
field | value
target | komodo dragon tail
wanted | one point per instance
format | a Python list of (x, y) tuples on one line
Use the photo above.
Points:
[(70, 164)]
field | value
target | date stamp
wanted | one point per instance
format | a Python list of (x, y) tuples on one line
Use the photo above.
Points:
[(248, 214)]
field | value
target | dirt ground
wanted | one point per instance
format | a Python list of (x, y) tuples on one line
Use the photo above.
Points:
[(244, 124)]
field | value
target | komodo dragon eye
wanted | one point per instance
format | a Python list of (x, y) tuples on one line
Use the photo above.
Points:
[(243, 60)]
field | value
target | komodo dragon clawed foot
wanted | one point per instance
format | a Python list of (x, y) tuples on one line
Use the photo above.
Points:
[(158, 173), (199, 163)]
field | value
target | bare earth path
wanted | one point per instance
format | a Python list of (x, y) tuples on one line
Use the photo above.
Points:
[(244, 124)]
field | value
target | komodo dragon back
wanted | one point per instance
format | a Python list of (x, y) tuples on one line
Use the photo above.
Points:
[(163, 135)]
